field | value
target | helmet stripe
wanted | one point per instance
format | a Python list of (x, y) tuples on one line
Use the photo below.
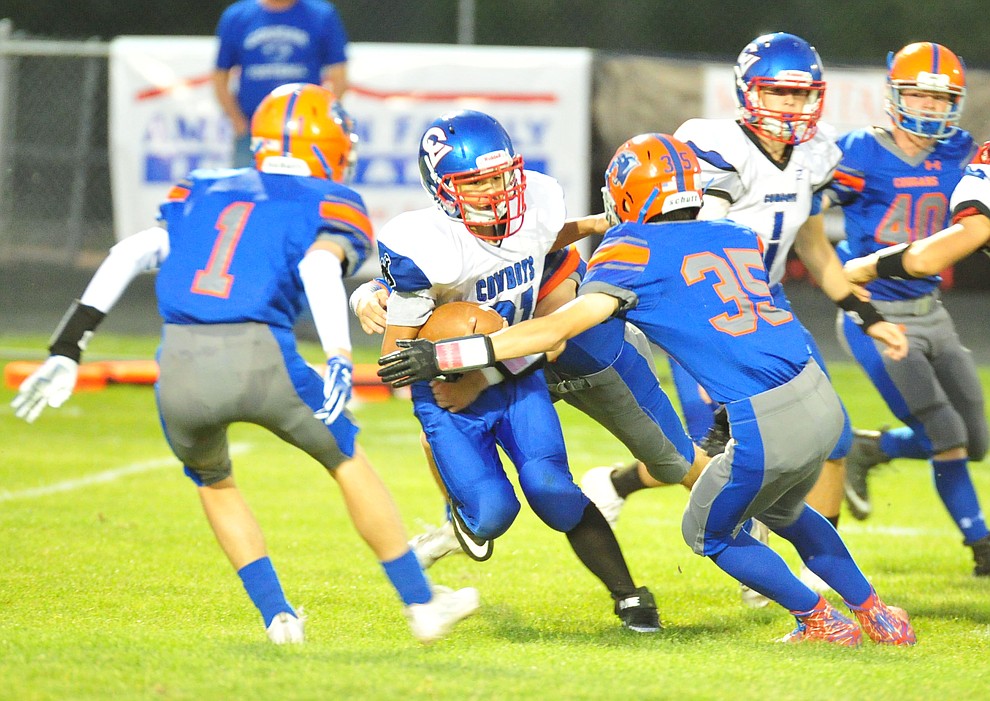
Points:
[(936, 57), (289, 108), (678, 168), (646, 205)]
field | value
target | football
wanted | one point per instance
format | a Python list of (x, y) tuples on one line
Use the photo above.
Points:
[(460, 319)]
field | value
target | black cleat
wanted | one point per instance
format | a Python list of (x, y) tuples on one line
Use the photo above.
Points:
[(638, 611), (476, 548), (864, 454), (981, 555), (718, 435)]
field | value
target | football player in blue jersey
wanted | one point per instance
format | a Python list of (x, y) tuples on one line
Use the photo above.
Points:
[(766, 169), (486, 240), (894, 185), (238, 253), (700, 291), (970, 232)]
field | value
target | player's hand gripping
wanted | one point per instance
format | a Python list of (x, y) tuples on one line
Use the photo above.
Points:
[(860, 271), (417, 361), (891, 335), (337, 386), (370, 307), (50, 385)]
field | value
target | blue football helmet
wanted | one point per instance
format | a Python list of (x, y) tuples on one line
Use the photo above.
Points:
[(785, 62), (468, 164)]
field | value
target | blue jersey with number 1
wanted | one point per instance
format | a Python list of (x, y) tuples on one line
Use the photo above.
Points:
[(698, 289), (210, 278)]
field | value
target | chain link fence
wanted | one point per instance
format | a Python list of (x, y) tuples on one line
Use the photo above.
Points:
[(55, 203)]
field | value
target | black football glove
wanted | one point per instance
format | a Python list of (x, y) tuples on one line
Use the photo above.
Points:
[(718, 435), (416, 362)]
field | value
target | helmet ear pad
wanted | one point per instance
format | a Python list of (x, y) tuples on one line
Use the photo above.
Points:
[(302, 129), (469, 166)]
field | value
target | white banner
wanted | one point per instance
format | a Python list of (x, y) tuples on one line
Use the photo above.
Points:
[(165, 121), (853, 98)]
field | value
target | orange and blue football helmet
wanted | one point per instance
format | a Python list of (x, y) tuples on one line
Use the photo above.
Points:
[(302, 129), (931, 68), (649, 175), (786, 62)]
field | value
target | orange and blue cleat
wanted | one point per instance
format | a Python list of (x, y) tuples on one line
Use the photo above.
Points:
[(884, 624), (824, 623)]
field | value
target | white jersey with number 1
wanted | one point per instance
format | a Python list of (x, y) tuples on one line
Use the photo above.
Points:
[(771, 198)]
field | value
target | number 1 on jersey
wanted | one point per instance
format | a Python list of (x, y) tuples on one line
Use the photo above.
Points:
[(214, 280)]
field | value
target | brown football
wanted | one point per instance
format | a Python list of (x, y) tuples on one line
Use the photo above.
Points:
[(459, 319)]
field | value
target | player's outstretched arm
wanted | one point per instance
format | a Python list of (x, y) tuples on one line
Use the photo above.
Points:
[(53, 383), (577, 229), (423, 360), (922, 258), (321, 273)]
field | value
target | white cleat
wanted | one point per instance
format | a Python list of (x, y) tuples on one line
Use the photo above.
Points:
[(812, 580), (433, 620), (597, 486), (750, 597), (435, 544), (286, 628)]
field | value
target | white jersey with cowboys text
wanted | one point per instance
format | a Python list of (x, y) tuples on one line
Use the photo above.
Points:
[(430, 260), (773, 199)]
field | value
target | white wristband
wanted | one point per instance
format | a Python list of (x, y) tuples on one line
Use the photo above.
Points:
[(469, 353)]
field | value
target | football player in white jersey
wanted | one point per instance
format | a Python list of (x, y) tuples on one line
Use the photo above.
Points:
[(485, 241), (765, 169)]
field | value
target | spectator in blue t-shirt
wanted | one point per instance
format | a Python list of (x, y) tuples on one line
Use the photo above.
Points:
[(267, 43)]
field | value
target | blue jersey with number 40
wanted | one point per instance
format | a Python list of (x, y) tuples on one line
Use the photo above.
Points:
[(698, 289), (209, 277), (889, 198)]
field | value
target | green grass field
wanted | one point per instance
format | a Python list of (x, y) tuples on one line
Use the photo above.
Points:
[(112, 586)]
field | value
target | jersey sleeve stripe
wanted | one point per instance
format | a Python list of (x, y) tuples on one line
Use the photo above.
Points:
[(621, 252), (178, 193), (969, 209), (850, 181), (568, 267), (348, 214)]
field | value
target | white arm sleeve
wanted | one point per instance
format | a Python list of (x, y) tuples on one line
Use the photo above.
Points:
[(139, 253), (714, 207), (322, 279)]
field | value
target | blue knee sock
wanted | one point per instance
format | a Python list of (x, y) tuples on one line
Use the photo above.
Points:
[(822, 550), (262, 585), (955, 487), (905, 442), (760, 568), (408, 579)]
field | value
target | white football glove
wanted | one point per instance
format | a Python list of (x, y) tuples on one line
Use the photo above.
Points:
[(336, 389), (51, 384)]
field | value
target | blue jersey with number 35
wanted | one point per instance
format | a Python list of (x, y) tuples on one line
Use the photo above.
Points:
[(236, 238), (698, 289)]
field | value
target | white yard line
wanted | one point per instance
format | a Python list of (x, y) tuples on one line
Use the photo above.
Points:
[(103, 477)]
